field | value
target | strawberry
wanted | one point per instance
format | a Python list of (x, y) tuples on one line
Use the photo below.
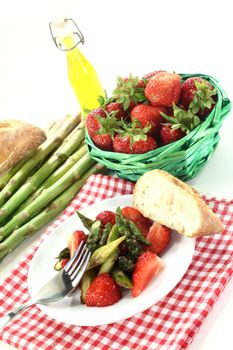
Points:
[(102, 129), (133, 139), (129, 92), (121, 144), (181, 122), (103, 141), (106, 216), (142, 83), (103, 291), (198, 95), (74, 241), (163, 89), (169, 135), (148, 115), (63, 262), (140, 221), (150, 75), (159, 236), (92, 122), (147, 266), (116, 107)]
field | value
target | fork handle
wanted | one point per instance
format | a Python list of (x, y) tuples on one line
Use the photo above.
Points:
[(12, 314)]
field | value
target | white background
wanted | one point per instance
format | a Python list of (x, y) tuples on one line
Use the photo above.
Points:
[(123, 37)]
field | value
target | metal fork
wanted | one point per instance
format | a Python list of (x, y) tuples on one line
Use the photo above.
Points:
[(59, 286)]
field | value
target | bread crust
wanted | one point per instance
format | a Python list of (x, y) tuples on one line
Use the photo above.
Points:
[(162, 197), (17, 140)]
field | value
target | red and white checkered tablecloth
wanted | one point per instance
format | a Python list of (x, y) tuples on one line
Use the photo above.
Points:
[(171, 324)]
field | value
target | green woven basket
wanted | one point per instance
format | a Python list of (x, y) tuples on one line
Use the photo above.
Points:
[(183, 158)]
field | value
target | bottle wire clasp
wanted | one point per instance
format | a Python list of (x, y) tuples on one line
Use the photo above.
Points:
[(67, 23)]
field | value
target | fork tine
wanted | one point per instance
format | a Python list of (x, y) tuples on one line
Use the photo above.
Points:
[(70, 263), (76, 262), (78, 273)]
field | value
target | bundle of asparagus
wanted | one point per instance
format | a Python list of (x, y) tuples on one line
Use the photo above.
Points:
[(40, 187)]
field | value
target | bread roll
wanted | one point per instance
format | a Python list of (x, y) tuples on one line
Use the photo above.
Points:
[(173, 203), (17, 140)]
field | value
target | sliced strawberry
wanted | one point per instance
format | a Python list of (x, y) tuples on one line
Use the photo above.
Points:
[(106, 216), (103, 291), (74, 241), (147, 266), (140, 221), (159, 236), (63, 262)]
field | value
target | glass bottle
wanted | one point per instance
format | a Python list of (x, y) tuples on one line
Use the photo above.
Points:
[(81, 73)]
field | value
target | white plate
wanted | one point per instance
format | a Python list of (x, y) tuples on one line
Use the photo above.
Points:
[(177, 258)]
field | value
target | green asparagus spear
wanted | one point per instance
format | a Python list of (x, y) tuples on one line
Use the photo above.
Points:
[(56, 175), (102, 253), (125, 263), (5, 178), (110, 261), (121, 223), (44, 217), (94, 236), (64, 254), (41, 154), (121, 278), (114, 234), (86, 280), (105, 234), (87, 222), (47, 196), (137, 233), (107, 266), (131, 243), (32, 184)]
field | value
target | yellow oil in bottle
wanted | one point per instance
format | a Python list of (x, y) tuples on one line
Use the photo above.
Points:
[(83, 78), (82, 75)]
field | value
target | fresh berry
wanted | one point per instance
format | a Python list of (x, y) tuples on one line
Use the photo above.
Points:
[(122, 144), (159, 236), (182, 119), (103, 141), (150, 75), (133, 139), (106, 217), (140, 221), (147, 266), (141, 83), (92, 122), (102, 130), (163, 89), (103, 291), (129, 92), (169, 135), (116, 107), (198, 95), (74, 241), (63, 262), (148, 115)]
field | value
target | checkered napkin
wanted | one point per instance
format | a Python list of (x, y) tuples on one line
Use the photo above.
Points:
[(169, 325)]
